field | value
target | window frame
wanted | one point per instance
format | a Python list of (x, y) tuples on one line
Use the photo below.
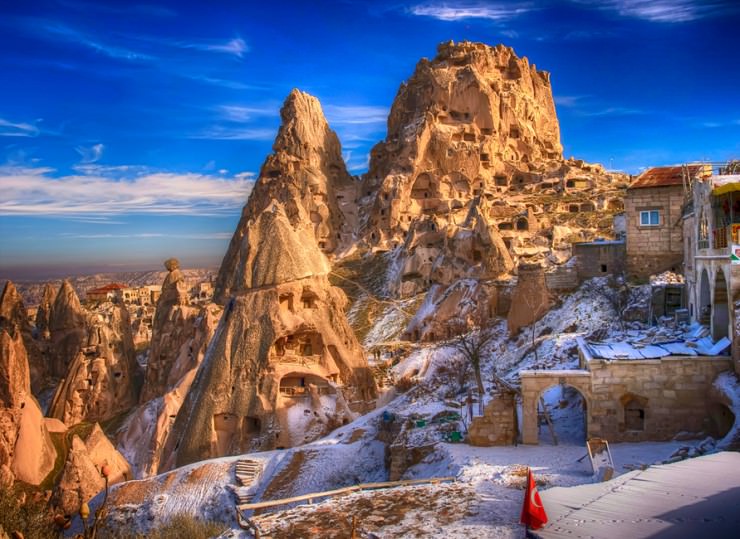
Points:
[(649, 214)]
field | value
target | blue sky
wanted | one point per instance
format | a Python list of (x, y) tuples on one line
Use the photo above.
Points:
[(131, 132)]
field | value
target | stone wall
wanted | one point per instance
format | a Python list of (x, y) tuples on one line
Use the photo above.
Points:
[(653, 249), (672, 392), (562, 278), (596, 259), (497, 425), (632, 400)]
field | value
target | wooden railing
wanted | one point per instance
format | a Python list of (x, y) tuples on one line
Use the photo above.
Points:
[(346, 490)]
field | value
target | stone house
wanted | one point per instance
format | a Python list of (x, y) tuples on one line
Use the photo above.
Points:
[(599, 258), (653, 209), (108, 292), (711, 227), (636, 399)]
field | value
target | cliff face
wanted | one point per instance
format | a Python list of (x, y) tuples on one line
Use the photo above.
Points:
[(306, 176), (180, 338), (284, 367), (26, 450), (100, 380), (174, 325), (471, 180), (67, 329), (13, 318)]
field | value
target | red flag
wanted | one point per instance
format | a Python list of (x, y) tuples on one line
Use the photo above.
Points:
[(533, 512)]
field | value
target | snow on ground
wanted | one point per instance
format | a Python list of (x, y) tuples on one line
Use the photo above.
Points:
[(486, 497)]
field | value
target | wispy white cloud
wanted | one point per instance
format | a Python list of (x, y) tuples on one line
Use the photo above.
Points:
[(90, 154), (236, 47), (582, 105), (568, 100), (241, 114), (57, 31), (716, 124), (355, 114), (220, 132), (36, 191), (612, 111), (18, 129), (456, 11), (128, 9), (665, 11)]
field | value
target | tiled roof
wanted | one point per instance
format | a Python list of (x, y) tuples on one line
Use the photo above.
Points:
[(664, 176), (107, 288)]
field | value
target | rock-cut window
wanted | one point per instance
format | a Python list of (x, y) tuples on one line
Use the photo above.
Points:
[(650, 218)]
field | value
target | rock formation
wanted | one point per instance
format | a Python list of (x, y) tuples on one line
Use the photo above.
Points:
[(26, 450), (173, 326), (43, 313), (471, 180), (13, 317), (82, 477), (307, 176), (100, 380), (180, 338), (67, 328), (284, 367)]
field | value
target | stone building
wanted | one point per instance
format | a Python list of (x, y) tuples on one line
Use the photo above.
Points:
[(653, 208), (143, 295), (108, 292), (712, 255), (599, 258), (634, 400)]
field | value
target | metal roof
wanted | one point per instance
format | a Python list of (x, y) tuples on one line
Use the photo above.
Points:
[(692, 498), (665, 176)]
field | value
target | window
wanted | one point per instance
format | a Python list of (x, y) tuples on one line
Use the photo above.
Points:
[(650, 218)]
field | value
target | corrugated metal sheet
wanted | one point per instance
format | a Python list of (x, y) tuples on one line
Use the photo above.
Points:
[(664, 176), (693, 498)]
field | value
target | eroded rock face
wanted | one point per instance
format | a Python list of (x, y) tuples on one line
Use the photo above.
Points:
[(67, 328), (530, 299), (307, 177), (146, 432), (284, 367), (13, 317), (43, 313), (82, 477), (174, 325), (100, 381), (471, 180), (26, 450)]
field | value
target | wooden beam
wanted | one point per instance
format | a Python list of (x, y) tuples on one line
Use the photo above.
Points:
[(346, 490)]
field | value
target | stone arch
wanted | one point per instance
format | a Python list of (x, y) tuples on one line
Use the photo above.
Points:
[(720, 308), (633, 412), (704, 311), (522, 223), (535, 383), (722, 419), (564, 437)]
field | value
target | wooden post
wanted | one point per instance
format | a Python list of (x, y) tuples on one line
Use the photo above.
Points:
[(549, 422)]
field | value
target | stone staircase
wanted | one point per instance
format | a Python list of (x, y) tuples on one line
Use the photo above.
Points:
[(247, 472)]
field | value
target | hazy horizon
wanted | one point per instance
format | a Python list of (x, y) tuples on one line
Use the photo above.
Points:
[(134, 132)]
